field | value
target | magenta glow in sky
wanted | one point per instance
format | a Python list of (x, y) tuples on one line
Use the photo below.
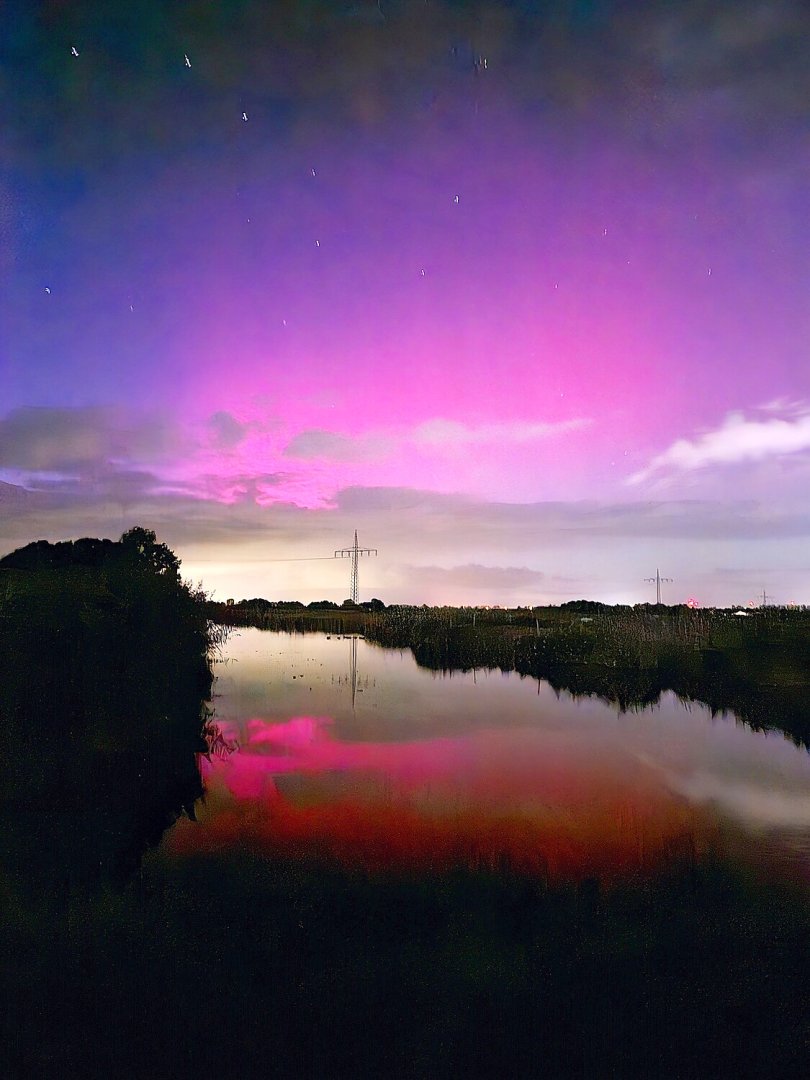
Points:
[(516, 290)]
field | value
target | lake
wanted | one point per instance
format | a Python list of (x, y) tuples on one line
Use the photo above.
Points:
[(331, 747)]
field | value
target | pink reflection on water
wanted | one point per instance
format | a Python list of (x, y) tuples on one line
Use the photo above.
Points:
[(528, 798)]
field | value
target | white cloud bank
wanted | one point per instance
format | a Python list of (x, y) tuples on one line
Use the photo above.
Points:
[(737, 440)]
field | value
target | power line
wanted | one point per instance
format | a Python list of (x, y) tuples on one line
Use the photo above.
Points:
[(306, 558)]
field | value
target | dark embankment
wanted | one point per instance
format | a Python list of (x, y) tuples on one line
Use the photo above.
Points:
[(103, 674), (241, 968)]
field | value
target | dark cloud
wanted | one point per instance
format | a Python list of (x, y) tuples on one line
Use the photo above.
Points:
[(55, 440), (400, 520), (113, 485), (477, 520), (226, 431), (335, 447), (300, 67), (234, 487), (363, 499), (80, 440)]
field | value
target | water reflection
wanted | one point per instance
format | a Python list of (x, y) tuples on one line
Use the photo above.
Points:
[(357, 684), (481, 768)]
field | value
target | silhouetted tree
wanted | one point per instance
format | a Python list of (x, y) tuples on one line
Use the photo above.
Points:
[(142, 544)]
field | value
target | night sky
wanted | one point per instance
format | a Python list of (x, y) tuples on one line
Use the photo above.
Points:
[(518, 290)]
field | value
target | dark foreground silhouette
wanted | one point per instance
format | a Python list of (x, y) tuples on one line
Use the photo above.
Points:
[(104, 672), (241, 967), (119, 961)]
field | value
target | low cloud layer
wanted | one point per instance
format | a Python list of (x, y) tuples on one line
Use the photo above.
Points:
[(435, 548), (80, 440)]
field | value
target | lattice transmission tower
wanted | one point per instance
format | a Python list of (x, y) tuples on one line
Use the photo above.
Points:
[(657, 579), (354, 553)]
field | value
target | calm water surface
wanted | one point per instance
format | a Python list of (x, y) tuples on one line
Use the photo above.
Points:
[(331, 746)]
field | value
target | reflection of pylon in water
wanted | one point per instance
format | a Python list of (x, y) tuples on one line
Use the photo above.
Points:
[(353, 668)]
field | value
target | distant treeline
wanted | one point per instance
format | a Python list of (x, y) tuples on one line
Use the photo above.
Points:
[(258, 605), (104, 675)]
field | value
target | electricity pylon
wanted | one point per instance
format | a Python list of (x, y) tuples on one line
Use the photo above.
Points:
[(354, 554), (657, 579)]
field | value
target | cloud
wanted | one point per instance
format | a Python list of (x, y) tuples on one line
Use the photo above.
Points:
[(399, 499), (235, 487), (431, 435), (327, 66), (247, 505), (433, 548), (53, 440), (80, 440), (16, 499), (737, 440), (226, 431), (436, 433), (514, 525), (336, 447)]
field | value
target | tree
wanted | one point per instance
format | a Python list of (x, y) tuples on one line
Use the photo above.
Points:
[(142, 544)]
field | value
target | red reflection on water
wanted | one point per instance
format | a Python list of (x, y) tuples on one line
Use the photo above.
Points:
[(523, 798)]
